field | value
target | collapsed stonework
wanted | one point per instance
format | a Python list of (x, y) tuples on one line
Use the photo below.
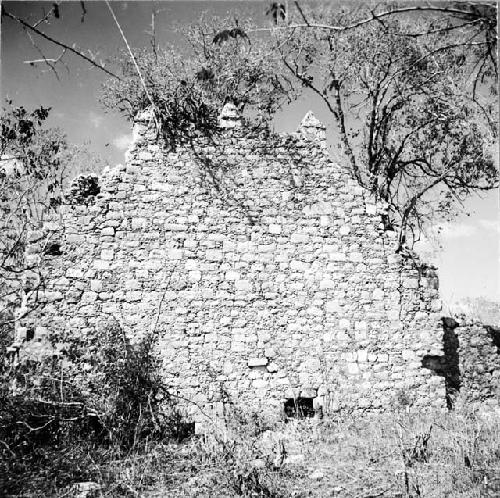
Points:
[(262, 267)]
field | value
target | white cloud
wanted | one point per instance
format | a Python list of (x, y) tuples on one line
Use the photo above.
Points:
[(490, 225), (95, 119), (456, 231), (123, 141)]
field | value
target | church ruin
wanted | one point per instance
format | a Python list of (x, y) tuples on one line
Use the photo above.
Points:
[(264, 270)]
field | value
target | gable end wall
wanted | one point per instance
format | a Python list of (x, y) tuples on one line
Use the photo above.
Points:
[(262, 268)]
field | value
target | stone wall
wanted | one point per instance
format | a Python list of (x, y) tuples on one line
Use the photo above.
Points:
[(262, 267), (472, 361)]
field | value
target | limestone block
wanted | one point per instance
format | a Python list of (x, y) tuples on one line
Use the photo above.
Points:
[(257, 362), (360, 335), (194, 275), (436, 305), (314, 311), (356, 257), (214, 255), (145, 155), (332, 306), (100, 264), (408, 354), (325, 220), (410, 283), (337, 256), (296, 265), (352, 368), (41, 331), (362, 356), (232, 275), (243, 285), (134, 296), (132, 284), (299, 238), (342, 336), (349, 356), (344, 324), (259, 383), (192, 264), (73, 238), (174, 254), (275, 229), (138, 223), (269, 352), (74, 273), (89, 297), (344, 230), (327, 284), (107, 254)]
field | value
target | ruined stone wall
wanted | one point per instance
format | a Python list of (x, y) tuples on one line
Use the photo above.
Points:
[(472, 367), (262, 267)]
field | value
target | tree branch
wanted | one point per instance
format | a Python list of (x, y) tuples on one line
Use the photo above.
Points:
[(26, 25), (374, 17)]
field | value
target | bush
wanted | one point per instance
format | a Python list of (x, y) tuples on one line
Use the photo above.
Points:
[(188, 89), (55, 432)]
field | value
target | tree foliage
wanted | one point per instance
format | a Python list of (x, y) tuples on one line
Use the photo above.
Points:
[(36, 163), (414, 101), (188, 89), (412, 90), (31, 177)]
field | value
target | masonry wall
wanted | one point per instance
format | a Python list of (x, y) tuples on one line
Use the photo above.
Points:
[(264, 270), (472, 366)]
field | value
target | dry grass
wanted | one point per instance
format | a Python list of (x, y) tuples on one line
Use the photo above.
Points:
[(400, 455)]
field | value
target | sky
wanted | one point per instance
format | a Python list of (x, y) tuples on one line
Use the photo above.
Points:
[(466, 252)]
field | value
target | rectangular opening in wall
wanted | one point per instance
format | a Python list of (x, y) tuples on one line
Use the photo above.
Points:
[(299, 408), (30, 334), (184, 430), (53, 249)]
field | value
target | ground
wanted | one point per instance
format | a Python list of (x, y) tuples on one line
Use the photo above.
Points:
[(400, 455)]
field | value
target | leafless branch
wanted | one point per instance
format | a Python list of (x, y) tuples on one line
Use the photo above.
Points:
[(28, 26), (301, 12), (374, 17), (143, 83)]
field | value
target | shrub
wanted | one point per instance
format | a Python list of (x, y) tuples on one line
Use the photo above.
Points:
[(55, 432)]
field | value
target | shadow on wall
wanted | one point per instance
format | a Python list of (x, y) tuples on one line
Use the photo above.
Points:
[(471, 360), (447, 366)]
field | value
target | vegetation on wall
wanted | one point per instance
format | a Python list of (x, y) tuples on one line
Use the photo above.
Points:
[(412, 91), (188, 90)]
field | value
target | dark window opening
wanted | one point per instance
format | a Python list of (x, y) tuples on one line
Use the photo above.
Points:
[(53, 249), (494, 333), (299, 408), (183, 430), (30, 334), (435, 363)]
